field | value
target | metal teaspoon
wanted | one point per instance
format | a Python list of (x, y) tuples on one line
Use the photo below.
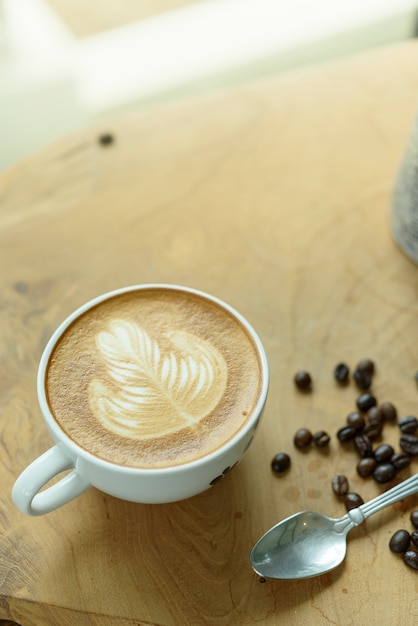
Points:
[(308, 544)]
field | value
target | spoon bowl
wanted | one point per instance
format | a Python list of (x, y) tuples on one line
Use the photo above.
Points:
[(308, 544)]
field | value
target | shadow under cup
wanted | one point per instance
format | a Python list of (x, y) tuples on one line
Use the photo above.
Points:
[(151, 393)]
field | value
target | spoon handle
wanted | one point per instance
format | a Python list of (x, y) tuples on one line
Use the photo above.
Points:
[(404, 489)]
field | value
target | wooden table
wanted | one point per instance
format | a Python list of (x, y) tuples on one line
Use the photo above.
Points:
[(273, 196)]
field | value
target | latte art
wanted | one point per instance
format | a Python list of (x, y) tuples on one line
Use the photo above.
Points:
[(153, 377), (151, 393)]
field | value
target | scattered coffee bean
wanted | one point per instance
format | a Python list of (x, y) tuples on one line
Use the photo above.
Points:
[(414, 519), (363, 445), (363, 380), (375, 415), (409, 444), (340, 485), (373, 431), (381, 463), (262, 579), (366, 365), (408, 424), (400, 541), (365, 402), (389, 411), (346, 433), (303, 380), (302, 438), (366, 466), (321, 439), (411, 558), (341, 373), (280, 463), (383, 452), (384, 473), (357, 420), (353, 501), (400, 460)]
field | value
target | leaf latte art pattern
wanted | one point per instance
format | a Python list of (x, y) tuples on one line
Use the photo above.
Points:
[(151, 392)]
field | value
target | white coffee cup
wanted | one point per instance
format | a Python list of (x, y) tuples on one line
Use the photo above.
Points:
[(137, 484)]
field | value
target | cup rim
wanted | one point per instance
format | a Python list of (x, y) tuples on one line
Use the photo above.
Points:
[(59, 434)]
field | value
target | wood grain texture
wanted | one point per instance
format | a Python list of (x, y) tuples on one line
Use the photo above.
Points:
[(273, 196)]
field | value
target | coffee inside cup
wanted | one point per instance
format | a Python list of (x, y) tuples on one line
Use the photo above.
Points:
[(153, 377)]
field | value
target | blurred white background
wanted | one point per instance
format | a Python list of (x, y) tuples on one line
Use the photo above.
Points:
[(65, 63)]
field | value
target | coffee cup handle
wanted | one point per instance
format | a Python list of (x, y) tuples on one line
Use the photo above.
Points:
[(27, 494)]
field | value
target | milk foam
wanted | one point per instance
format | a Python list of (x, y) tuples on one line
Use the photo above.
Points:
[(153, 378), (151, 391)]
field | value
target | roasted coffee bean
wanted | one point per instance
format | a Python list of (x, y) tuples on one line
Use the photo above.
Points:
[(352, 501), (365, 402), (384, 473), (383, 452), (416, 376), (373, 431), (303, 380), (356, 420), (281, 462), (346, 433), (409, 444), (414, 519), (366, 466), (340, 485), (414, 538), (363, 445), (389, 411), (400, 541), (341, 373), (411, 558), (302, 438), (363, 380), (375, 415), (400, 460), (321, 438), (408, 424), (366, 365)]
